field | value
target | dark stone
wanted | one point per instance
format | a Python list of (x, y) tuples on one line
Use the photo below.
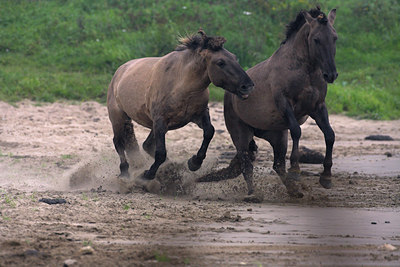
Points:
[(52, 201), (31, 252), (310, 156), (379, 137), (388, 154)]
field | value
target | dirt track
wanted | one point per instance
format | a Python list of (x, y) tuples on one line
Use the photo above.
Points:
[(65, 151)]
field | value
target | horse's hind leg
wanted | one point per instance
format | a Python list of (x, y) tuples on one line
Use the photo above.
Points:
[(194, 163), (149, 145), (295, 132), (131, 144), (253, 148), (124, 138), (160, 129), (278, 141), (322, 120)]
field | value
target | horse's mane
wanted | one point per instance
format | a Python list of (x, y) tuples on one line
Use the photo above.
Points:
[(295, 25), (201, 41)]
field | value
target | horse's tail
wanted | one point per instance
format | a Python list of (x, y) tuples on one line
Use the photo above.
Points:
[(230, 172)]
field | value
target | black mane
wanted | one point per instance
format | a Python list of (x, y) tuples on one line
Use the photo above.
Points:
[(296, 24), (202, 41)]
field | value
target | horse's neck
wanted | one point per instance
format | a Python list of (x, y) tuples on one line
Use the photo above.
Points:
[(295, 51), (195, 72)]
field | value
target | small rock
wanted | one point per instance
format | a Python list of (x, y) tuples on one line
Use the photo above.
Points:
[(310, 156), (388, 154), (11, 243), (86, 250), (249, 209), (388, 247), (227, 215), (69, 262), (379, 137), (373, 222), (387, 221), (31, 252), (253, 199), (53, 201)]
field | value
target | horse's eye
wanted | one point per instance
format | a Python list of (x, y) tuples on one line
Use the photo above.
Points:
[(317, 41), (221, 63)]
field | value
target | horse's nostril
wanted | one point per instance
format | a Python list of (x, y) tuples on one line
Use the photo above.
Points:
[(243, 87), (337, 74), (326, 76)]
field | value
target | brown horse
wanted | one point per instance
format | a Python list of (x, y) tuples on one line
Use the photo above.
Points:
[(289, 86), (166, 93)]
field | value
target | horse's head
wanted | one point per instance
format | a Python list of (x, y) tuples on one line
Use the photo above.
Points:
[(322, 43), (223, 68)]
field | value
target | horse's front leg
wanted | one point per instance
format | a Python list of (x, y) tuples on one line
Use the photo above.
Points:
[(160, 129), (194, 163), (321, 118)]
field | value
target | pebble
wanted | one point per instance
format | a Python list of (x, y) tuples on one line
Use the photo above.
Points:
[(373, 222), (69, 262), (388, 247), (87, 250), (31, 252)]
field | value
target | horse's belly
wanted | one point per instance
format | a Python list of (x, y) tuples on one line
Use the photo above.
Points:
[(265, 117), (266, 121)]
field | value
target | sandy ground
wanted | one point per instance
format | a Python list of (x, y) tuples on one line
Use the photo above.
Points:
[(65, 151)]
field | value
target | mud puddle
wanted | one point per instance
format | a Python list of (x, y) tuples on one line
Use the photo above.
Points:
[(379, 165), (283, 225), (310, 225)]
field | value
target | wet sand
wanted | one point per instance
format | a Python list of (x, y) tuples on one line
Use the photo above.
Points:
[(65, 151)]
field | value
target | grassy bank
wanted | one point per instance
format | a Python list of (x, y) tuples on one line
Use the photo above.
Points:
[(52, 50)]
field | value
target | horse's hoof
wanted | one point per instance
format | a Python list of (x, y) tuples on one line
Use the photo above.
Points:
[(293, 175), (193, 165), (293, 189), (124, 174), (147, 175), (326, 183)]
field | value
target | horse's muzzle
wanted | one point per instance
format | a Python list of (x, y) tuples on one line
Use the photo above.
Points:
[(330, 77), (245, 90)]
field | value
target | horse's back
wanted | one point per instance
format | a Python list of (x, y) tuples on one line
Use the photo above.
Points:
[(130, 86)]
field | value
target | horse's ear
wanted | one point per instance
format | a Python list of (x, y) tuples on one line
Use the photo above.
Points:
[(202, 33), (215, 43), (332, 16), (308, 17)]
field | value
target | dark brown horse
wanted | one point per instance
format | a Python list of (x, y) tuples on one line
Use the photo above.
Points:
[(166, 93), (289, 86)]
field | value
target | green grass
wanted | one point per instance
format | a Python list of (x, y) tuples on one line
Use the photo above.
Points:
[(59, 49)]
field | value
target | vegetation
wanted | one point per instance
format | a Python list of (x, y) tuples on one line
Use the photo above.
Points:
[(60, 49)]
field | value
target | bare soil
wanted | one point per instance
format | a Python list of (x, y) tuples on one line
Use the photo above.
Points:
[(65, 151)]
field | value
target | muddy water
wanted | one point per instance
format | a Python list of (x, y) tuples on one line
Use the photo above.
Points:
[(289, 224), (312, 225), (379, 165)]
